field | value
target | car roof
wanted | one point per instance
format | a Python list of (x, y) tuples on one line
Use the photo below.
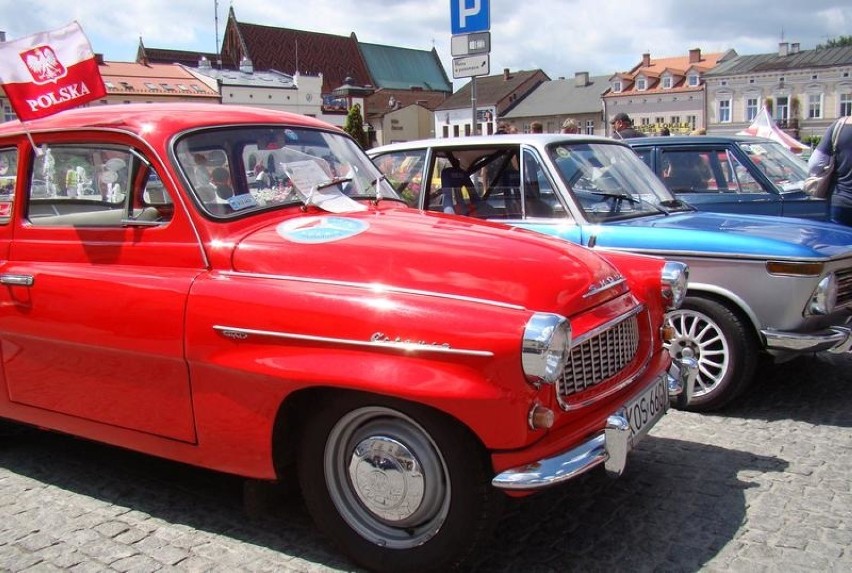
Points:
[(681, 140), (505, 139), (139, 117)]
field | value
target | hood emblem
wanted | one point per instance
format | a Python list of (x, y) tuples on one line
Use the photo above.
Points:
[(603, 284)]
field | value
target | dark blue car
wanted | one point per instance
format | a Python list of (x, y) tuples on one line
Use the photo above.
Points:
[(732, 174)]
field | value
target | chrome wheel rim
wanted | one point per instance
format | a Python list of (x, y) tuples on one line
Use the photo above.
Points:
[(696, 334), (386, 477)]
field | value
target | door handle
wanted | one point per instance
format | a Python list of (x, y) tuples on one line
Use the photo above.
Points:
[(16, 280)]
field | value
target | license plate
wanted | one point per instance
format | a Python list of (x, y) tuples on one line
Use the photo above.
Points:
[(644, 411)]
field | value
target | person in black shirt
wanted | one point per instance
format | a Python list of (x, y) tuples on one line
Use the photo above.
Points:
[(622, 127)]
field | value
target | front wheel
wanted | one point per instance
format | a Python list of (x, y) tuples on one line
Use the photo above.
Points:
[(724, 347), (398, 486)]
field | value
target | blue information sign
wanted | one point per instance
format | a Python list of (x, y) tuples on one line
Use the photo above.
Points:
[(470, 16)]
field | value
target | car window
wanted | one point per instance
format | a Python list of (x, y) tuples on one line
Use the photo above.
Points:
[(786, 171), (236, 171), (688, 171), (491, 182), (404, 172), (740, 178), (91, 185), (8, 177)]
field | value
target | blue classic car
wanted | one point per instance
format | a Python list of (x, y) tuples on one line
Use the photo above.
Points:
[(759, 286), (732, 174)]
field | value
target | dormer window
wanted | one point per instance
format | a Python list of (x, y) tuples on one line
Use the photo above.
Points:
[(667, 82), (641, 84), (616, 86), (692, 80)]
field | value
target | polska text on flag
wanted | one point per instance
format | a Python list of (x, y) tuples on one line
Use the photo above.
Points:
[(50, 72)]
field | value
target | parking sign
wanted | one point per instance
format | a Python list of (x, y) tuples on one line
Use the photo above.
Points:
[(470, 16)]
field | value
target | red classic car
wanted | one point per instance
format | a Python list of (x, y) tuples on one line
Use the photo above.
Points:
[(240, 289)]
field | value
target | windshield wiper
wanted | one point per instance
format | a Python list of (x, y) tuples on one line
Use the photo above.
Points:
[(630, 199), (333, 182)]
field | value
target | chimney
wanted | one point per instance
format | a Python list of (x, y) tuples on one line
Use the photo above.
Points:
[(646, 60), (505, 74), (694, 55), (794, 48), (2, 36), (581, 79), (783, 48), (99, 59), (246, 66)]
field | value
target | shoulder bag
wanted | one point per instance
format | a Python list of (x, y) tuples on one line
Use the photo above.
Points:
[(819, 186)]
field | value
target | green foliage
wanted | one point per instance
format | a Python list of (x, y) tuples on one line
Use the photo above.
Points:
[(354, 126), (836, 43)]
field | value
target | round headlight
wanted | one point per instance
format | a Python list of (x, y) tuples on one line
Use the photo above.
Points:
[(675, 279), (547, 338), (825, 296)]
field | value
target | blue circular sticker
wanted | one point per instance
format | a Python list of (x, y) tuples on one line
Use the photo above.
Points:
[(313, 230)]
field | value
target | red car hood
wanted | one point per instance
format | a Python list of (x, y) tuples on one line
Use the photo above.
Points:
[(406, 248)]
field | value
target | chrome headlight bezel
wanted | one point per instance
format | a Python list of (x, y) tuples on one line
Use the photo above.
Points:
[(674, 280), (545, 347), (823, 301)]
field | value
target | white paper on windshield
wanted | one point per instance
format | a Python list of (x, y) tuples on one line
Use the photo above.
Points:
[(306, 176)]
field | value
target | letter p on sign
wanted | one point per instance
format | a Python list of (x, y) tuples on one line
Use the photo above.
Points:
[(470, 16)]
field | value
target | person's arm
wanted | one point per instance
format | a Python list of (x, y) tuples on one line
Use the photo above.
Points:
[(822, 154)]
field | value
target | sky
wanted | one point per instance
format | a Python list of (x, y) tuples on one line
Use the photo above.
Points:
[(561, 37)]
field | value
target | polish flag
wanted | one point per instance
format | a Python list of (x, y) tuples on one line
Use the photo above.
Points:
[(50, 72)]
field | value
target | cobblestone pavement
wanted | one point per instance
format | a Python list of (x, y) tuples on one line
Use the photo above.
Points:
[(763, 486)]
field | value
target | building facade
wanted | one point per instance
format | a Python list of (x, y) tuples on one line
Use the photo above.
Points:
[(804, 90), (663, 92)]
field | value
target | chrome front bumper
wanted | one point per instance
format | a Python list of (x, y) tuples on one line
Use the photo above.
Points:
[(837, 339), (609, 447)]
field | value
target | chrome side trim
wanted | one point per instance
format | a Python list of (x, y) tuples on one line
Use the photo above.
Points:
[(237, 333), (376, 288)]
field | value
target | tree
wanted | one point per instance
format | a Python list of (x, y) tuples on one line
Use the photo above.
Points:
[(840, 42), (354, 125)]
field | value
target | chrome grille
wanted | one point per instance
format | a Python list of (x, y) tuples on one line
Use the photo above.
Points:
[(844, 287), (600, 357)]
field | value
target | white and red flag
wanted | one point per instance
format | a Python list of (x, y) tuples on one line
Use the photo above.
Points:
[(50, 72)]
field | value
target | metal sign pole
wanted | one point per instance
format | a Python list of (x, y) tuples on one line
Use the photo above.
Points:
[(473, 102)]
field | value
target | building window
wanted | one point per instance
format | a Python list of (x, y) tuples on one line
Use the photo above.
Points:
[(641, 84), (692, 121), (752, 106), (590, 127), (183, 88), (693, 80), (109, 85), (814, 76), (782, 107), (723, 82), (151, 86), (659, 120), (845, 104), (616, 87), (8, 113), (725, 111), (814, 106), (751, 80), (645, 121), (675, 120), (667, 82)]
